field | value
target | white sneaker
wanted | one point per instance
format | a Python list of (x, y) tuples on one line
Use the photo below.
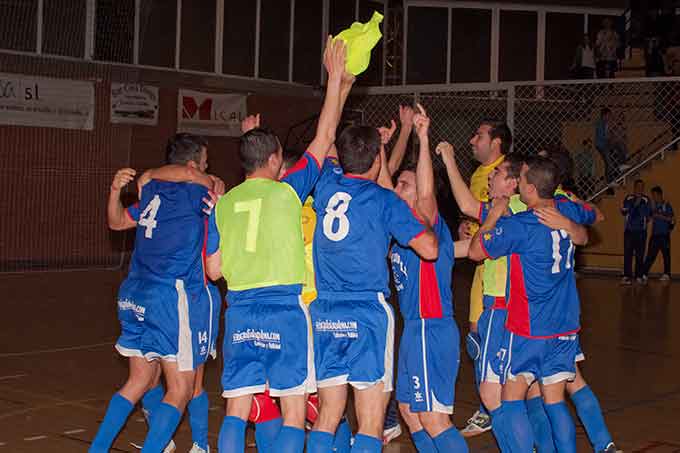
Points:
[(196, 449), (477, 424), (626, 281), (392, 433), (171, 447), (665, 278)]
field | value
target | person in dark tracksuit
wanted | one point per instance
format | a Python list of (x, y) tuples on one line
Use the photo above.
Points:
[(663, 221), (636, 210)]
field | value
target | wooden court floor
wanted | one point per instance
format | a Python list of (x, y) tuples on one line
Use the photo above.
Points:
[(58, 367)]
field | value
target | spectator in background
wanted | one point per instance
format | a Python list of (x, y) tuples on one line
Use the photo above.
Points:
[(636, 209), (654, 64), (674, 100), (606, 45), (583, 66), (585, 168), (610, 143), (663, 222)]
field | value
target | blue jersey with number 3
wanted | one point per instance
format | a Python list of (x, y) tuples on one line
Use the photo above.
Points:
[(171, 232), (541, 292), (356, 220)]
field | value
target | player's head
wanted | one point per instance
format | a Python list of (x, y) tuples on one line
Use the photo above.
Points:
[(187, 149), (562, 158), (260, 149), (359, 151), (504, 179), (538, 180), (657, 194), (639, 186), (290, 158), (407, 187), (491, 139)]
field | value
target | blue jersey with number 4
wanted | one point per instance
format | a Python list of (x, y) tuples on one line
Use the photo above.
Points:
[(171, 232), (541, 292), (356, 220)]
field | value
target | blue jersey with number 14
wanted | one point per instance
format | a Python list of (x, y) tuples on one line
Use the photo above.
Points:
[(171, 232), (356, 220)]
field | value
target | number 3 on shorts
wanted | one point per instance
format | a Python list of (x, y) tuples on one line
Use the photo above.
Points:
[(252, 207), (335, 209)]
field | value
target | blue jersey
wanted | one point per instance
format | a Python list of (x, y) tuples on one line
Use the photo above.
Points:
[(424, 287), (662, 226), (171, 232), (356, 220), (637, 210), (541, 293)]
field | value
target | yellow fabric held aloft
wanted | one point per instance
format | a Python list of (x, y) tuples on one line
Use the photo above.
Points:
[(360, 39)]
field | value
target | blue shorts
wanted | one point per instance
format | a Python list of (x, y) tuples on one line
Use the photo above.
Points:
[(156, 321), (580, 356), (550, 360), (205, 321), (429, 358), (353, 340), (268, 341), (491, 328)]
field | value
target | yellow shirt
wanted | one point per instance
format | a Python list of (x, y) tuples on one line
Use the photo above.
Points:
[(479, 182), (308, 217)]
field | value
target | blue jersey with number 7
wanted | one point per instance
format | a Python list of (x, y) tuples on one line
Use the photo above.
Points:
[(541, 293), (171, 232), (356, 220)]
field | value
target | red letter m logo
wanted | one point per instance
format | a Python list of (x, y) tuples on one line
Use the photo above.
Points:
[(189, 108)]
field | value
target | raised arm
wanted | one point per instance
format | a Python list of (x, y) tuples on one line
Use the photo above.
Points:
[(338, 88), (117, 217), (467, 202), (499, 206), (427, 200), (406, 114), (176, 173)]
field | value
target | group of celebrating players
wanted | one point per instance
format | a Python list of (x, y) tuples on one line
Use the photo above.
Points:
[(303, 244)]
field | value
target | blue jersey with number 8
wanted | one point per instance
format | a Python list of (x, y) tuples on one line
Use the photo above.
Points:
[(356, 220)]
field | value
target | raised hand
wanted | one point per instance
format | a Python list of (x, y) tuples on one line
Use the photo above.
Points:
[(250, 122), (421, 122), (406, 115), (218, 185), (122, 178), (334, 59), (387, 133), (445, 150)]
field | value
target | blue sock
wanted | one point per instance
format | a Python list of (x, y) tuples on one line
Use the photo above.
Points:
[(450, 441), (116, 414), (265, 434), (366, 444), (152, 399), (540, 425), (342, 443), (519, 436), (590, 413), (290, 440), (232, 437), (163, 424), (423, 442), (500, 428), (198, 419), (320, 442), (564, 431)]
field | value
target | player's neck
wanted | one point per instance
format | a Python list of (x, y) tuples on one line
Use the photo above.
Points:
[(264, 173), (542, 203), (492, 158)]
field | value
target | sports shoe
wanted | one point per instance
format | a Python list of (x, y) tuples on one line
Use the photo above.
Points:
[(476, 425), (263, 408), (643, 280), (391, 427), (626, 281), (196, 449), (171, 447), (611, 448), (665, 278)]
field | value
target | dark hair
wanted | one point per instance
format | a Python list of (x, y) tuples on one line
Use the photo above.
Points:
[(290, 157), (255, 147), (542, 174), (605, 111), (657, 189), (183, 148), (499, 130), (358, 147), (564, 162), (515, 162)]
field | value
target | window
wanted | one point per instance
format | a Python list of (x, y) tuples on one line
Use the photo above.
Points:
[(518, 43), (563, 32), (470, 58), (18, 23), (157, 32), (238, 51), (58, 16), (274, 39), (427, 38), (197, 41), (307, 41), (114, 30)]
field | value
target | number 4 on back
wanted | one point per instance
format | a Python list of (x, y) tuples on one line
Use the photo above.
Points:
[(150, 222)]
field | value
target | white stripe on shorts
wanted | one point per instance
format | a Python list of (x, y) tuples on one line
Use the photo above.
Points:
[(424, 352), (389, 345), (486, 347), (185, 354)]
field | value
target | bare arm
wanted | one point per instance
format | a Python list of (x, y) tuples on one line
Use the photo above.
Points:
[(427, 200), (176, 173), (476, 252), (554, 220), (467, 202), (117, 217), (337, 90), (461, 248), (214, 266), (399, 151), (384, 177), (426, 245)]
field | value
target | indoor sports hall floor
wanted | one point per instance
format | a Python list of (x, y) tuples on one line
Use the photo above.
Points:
[(58, 367)]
